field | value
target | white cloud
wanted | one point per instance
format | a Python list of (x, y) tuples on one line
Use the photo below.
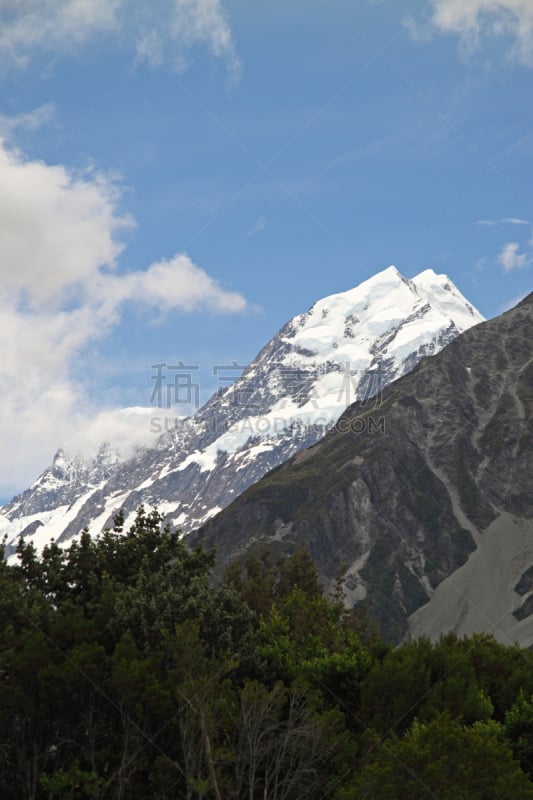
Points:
[(504, 221), (472, 20), (59, 290), (163, 30), (31, 120), (177, 283), (125, 430), (57, 228), (51, 24), (259, 226), (511, 258), (165, 37)]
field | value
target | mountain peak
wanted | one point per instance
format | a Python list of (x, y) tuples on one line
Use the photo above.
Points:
[(429, 275), (389, 273), (385, 277)]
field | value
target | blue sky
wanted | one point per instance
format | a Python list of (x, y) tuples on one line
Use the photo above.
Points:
[(176, 184)]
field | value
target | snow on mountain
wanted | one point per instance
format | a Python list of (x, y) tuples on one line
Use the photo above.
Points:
[(347, 347)]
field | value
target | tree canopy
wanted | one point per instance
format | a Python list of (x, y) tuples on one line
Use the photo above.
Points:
[(128, 671)]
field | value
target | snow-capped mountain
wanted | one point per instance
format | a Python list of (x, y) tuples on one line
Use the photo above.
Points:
[(431, 524), (347, 347)]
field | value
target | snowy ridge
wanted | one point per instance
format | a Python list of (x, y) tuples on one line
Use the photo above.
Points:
[(348, 346)]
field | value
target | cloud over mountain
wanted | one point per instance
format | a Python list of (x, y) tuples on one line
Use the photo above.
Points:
[(61, 234)]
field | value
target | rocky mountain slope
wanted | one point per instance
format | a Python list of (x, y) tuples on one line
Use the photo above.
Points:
[(426, 497), (347, 346)]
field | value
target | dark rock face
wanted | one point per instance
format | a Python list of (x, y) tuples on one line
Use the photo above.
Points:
[(525, 584), (402, 493)]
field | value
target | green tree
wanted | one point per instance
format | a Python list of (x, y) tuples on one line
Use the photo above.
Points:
[(442, 759), (518, 729)]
